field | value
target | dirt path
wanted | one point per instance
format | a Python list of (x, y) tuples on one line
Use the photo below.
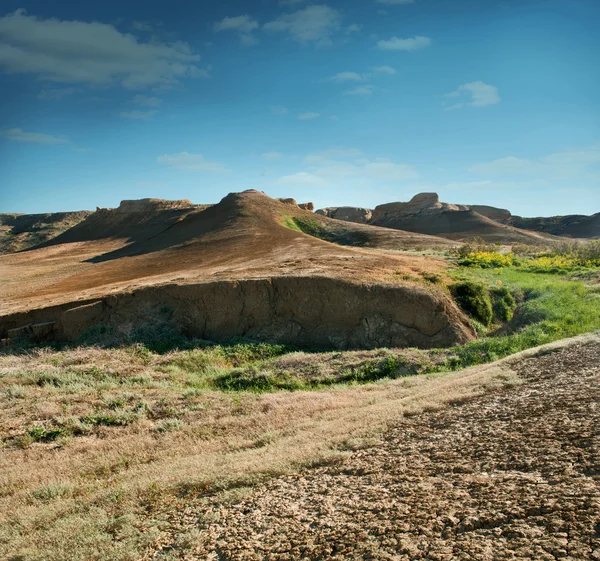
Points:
[(512, 475)]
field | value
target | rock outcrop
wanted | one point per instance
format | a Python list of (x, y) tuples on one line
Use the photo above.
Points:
[(347, 214), (153, 205)]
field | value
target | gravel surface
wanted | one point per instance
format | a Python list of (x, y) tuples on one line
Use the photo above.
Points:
[(512, 475)]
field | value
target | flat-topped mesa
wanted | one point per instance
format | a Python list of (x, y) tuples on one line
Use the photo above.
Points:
[(152, 205), (423, 203)]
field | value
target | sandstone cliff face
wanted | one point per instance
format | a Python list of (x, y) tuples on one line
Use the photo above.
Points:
[(153, 205), (309, 312)]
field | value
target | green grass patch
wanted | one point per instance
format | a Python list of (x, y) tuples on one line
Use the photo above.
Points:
[(553, 307)]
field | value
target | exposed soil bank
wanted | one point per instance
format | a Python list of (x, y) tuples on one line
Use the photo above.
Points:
[(316, 312)]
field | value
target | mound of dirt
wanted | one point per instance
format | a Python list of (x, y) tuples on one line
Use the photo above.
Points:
[(22, 231), (199, 261)]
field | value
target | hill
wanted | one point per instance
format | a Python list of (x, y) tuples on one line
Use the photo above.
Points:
[(243, 267), (425, 214), (22, 231)]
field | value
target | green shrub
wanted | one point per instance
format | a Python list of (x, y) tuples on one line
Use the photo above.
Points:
[(43, 434), (474, 299), (503, 303)]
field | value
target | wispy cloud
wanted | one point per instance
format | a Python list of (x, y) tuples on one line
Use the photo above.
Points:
[(474, 94), (191, 162), (272, 155), (395, 2), (147, 101), (568, 163), (19, 135), (92, 53), (141, 26), (308, 116), (313, 24), (138, 115), (347, 77), (384, 70), (279, 110), (243, 25), (338, 163), (409, 44), (364, 91), (57, 93)]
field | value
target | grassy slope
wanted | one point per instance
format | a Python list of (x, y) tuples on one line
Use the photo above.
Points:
[(99, 445)]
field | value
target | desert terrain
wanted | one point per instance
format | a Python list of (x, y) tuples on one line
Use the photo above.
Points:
[(256, 380)]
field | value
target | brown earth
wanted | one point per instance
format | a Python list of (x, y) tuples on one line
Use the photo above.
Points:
[(135, 257), (22, 231), (514, 474)]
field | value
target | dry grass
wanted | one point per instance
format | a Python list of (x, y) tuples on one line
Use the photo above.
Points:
[(101, 491)]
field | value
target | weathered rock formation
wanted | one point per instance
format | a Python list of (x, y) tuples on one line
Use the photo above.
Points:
[(347, 213), (315, 312), (426, 214)]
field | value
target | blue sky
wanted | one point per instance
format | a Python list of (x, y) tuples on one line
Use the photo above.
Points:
[(354, 102)]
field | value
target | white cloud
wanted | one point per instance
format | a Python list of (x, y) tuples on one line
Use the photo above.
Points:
[(477, 94), (395, 2), (272, 155), (279, 110), (57, 93), (409, 44), (244, 25), (506, 166), (334, 118), (308, 116), (384, 70), (347, 77), (330, 154), (302, 178), (390, 171), (19, 135), (138, 115), (147, 101), (191, 162), (141, 26), (340, 163), (469, 185), (72, 51), (568, 163), (312, 24), (354, 28), (361, 90)]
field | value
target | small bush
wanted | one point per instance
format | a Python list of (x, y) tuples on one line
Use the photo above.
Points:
[(474, 299), (503, 303), (43, 434)]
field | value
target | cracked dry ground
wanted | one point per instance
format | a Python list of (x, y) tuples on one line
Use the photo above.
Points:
[(511, 475)]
